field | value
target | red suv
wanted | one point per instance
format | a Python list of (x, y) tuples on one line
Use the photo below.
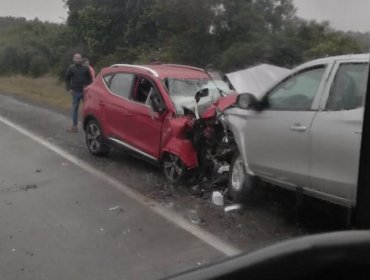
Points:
[(145, 109)]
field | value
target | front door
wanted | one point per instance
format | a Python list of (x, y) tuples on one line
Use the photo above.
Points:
[(278, 140), (144, 126)]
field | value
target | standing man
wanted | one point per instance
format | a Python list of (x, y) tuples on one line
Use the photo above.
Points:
[(77, 78)]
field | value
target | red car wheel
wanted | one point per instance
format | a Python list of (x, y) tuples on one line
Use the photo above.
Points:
[(173, 167)]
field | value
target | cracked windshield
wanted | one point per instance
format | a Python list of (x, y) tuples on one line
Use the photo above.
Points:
[(143, 139)]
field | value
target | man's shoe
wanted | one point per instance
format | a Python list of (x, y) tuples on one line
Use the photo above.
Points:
[(73, 129)]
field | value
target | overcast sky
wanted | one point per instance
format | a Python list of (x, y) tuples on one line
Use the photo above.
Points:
[(342, 14)]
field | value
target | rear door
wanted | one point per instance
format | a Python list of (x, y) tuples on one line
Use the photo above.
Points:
[(336, 133), (120, 88), (277, 139)]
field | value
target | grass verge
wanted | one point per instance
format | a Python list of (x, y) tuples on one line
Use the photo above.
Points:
[(47, 91)]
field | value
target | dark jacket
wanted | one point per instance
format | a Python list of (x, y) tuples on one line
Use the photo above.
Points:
[(77, 77)]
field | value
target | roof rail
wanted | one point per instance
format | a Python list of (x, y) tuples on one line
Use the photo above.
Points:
[(185, 66), (137, 66)]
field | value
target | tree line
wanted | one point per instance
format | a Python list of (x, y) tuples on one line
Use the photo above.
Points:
[(230, 34)]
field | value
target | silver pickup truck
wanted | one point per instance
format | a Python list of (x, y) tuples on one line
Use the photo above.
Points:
[(305, 132)]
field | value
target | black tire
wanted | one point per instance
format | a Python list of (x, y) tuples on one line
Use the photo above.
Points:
[(95, 139), (173, 168), (240, 184)]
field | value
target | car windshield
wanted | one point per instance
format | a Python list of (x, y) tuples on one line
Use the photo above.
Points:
[(182, 91), (143, 138)]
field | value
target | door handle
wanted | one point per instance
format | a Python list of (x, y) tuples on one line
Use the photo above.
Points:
[(298, 127), (101, 103)]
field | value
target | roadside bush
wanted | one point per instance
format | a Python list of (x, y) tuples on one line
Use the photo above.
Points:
[(38, 66)]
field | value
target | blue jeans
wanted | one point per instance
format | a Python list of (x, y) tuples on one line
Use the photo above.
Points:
[(77, 97)]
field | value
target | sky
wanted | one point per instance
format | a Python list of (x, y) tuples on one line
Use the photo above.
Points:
[(46, 10), (342, 14)]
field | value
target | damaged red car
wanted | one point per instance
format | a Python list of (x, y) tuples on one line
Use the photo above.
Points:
[(166, 114)]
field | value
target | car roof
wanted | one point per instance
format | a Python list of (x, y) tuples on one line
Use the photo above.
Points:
[(163, 71), (359, 57)]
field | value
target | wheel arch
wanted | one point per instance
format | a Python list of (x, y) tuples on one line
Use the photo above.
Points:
[(183, 149), (88, 118)]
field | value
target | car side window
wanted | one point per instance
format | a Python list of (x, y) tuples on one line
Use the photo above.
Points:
[(349, 87), (107, 79), (297, 93), (122, 84), (145, 89)]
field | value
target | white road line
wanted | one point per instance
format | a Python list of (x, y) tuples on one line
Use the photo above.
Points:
[(172, 217)]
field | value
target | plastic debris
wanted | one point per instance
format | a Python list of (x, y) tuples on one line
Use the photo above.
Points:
[(233, 207), (38, 171), (218, 198), (117, 209)]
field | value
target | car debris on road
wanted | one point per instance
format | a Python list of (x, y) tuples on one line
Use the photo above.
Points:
[(116, 209), (217, 198), (194, 218), (30, 187), (233, 207)]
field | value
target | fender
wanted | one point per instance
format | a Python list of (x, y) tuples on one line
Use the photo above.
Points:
[(235, 120), (174, 141), (184, 149)]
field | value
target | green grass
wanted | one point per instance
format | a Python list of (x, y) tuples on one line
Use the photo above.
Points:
[(44, 91)]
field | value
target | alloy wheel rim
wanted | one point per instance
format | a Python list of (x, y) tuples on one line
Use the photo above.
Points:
[(173, 167), (93, 136), (237, 175)]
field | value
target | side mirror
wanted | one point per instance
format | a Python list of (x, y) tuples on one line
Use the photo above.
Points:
[(247, 101), (202, 93), (157, 104)]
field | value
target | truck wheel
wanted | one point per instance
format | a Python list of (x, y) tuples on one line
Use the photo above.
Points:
[(240, 183), (173, 168), (95, 139)]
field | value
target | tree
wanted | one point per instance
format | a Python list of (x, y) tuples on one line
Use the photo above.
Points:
[(39, 66), (230, 34)]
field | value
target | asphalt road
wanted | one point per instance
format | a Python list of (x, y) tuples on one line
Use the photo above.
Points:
[(55, 218), (59, 221)]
